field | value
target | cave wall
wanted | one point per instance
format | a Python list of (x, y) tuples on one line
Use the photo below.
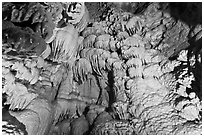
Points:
[(101, 68)]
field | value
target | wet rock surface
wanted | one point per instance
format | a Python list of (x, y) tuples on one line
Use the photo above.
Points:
[(103, 68)]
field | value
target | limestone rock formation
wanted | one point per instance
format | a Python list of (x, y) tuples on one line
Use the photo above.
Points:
[(104, 68)]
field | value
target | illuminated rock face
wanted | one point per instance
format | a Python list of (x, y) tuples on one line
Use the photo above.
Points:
[(101, 68)]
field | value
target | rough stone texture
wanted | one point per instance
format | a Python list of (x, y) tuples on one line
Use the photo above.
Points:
[(133, 68)]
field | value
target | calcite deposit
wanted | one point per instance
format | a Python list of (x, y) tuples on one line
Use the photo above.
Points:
[(101, 68)]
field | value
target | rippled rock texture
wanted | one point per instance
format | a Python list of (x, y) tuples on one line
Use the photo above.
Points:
[(126, 68)]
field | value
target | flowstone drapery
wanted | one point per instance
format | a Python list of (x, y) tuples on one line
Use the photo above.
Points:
[(127, 69)]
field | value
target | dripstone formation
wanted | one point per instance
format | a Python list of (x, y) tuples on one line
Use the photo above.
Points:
[(78, 68)]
